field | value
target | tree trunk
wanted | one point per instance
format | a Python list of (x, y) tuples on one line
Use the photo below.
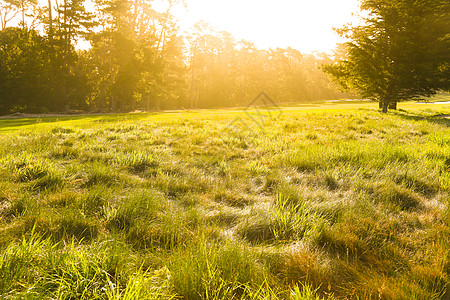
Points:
[(192, 79), (23, 13), (113, 104), (50, 21), (385, 107)]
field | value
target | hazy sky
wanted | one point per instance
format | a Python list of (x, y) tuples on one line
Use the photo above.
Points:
[(302, 24), (306, 25)]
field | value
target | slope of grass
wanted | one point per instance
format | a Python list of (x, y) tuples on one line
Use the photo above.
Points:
[(307, 204)]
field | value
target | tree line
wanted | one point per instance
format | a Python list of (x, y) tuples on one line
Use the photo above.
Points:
[(138, 59)]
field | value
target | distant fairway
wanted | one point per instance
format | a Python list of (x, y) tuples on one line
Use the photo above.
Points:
[(332, 200), (8, 123)]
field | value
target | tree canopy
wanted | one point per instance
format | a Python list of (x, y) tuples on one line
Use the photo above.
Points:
[(139, 60), (400, 52)]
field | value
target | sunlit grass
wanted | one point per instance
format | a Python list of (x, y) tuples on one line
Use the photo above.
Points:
[(318, 203)]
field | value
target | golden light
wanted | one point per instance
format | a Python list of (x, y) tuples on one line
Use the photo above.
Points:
[(302, 24)]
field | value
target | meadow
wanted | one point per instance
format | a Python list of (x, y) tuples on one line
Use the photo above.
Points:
[(335, 201)]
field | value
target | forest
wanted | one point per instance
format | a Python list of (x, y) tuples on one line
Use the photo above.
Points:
[(139, 59)]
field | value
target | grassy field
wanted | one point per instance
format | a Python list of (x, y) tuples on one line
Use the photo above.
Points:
[(322, 202)]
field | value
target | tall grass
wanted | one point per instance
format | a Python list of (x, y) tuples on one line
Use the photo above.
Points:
[(138, 160), (209, 271), (292, 221), (316, 205)]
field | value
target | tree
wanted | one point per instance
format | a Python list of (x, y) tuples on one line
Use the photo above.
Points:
[(136, 61), (400, 52), (24, 72), (8, 11)]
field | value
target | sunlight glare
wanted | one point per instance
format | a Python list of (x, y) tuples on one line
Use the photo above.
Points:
[(304, 25)]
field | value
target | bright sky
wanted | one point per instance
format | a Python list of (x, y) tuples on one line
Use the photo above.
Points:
[(306, 25)]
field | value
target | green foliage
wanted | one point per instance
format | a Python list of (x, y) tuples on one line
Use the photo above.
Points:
[(138, 60), (400, 52), (226, 72), (23, 71)]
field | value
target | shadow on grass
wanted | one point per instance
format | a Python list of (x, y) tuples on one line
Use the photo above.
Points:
[(8, 124), (437, 118)]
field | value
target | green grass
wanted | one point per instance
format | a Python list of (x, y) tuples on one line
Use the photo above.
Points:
[(334, 201)]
